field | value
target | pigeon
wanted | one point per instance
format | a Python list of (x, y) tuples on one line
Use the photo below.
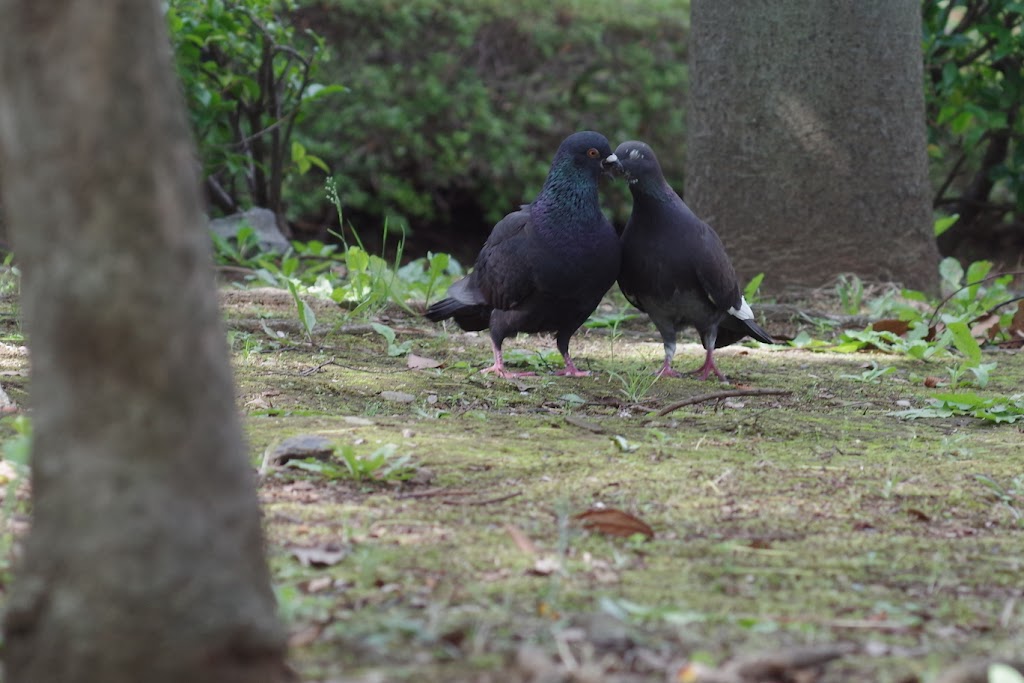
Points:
[(675, 269), (545, 267)]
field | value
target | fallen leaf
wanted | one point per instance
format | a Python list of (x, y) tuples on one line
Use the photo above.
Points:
[(415, 362), (897, 327), (305, 636), (932, 382), (320, 583), (614, 522), (919, 515), (322, 556), (521, 540), (545, 566), (985, 327)]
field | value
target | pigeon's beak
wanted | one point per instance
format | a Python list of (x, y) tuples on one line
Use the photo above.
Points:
[(611, 164)]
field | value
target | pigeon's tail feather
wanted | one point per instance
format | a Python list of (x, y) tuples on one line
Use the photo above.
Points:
[(758, 332), (733, 329), (442, 310), (470, 317)]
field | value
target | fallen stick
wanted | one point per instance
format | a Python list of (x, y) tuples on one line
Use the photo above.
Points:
[(721, 394)]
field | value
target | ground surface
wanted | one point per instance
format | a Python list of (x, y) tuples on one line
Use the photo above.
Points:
[(812, 518)]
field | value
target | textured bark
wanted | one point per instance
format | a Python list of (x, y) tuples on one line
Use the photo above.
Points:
[(807, 142), (145, 559)]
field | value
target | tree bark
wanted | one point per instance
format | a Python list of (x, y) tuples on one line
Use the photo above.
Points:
[(145, 559), (807, 142)]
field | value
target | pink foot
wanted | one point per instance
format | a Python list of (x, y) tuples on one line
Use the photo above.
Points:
[(570, 369), (500, 371), (709, 366), (666, 371), (705, 371)]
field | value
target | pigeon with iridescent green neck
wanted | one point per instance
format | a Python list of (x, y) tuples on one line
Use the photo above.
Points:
[(545, 267)]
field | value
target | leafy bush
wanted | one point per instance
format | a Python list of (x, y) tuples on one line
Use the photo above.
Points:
[(248, 80), (455, 108), (974, 86)]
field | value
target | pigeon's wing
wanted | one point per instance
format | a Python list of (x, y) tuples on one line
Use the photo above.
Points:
[(718, 279), (715, 272), (503, 272), (629, 281)]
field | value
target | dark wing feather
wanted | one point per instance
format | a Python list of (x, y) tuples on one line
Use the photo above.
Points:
[(502, 273), (715, 272), (628, 280)]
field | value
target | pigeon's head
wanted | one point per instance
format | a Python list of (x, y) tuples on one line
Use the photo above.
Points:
[(638, 162), (589, 150)]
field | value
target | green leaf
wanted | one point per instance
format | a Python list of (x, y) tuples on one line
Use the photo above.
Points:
[(951, 271), (750, 291), (318, 162), (945, 223), (384, 331), (357, 260), (964, 342), (978, 270), (623, 445)]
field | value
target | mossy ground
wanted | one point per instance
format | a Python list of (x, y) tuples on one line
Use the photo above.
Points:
[(802, 519), (810, 518)]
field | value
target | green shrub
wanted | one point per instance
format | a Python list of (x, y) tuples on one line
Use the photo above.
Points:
[(974, 89), (248, 79), (455, 108)]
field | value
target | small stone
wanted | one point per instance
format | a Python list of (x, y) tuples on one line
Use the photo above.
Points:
[(302, 447), (408, 433), (264, 226), (397, 396)]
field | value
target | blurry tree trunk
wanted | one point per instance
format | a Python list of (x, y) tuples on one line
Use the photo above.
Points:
[(145, 559), (807, 140)]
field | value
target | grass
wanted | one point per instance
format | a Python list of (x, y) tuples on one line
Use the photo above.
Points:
[(780, 521), (821, 516)]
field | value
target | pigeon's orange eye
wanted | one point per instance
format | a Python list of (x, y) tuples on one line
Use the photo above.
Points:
[(593, 153)]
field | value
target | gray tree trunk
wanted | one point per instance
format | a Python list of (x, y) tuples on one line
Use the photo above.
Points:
[(807, 147), (145, 559)]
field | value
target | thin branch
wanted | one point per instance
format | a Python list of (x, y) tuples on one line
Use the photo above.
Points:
[(721, 394), (935, 313), (949, 179), (488, 501)]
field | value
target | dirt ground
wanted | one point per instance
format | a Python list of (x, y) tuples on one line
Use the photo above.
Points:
[(785, 528), (806, 519)]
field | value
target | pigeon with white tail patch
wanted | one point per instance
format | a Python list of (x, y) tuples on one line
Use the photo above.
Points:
[(675, 269)]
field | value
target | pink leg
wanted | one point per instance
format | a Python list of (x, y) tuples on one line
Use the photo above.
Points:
[(667, 371), (709, 367), (499, 366), (570, 369)]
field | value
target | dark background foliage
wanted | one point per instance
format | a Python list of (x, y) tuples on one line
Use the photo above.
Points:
[(448, 112)]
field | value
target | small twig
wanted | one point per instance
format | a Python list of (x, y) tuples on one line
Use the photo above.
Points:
[(721, 394), (436, 491), (935, 313), (489, 501), (317, 368), (584, 424)]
